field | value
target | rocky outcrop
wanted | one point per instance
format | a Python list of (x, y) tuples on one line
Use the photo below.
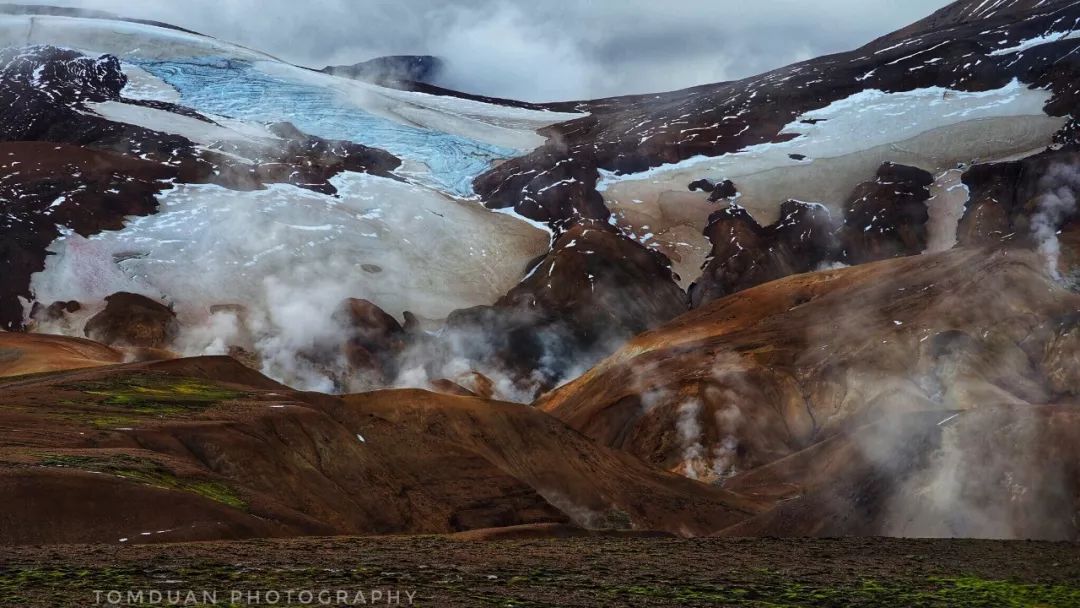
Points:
[(719, 190), (1031, 203), (133, 320), (887, 217), (547, 186), (392, 69), (1005, 197), (745, 254), (309, 162), (374, 340), (63, 186), (594, 289)]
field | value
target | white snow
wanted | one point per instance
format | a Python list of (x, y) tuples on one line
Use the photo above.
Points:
[(933, 128), (211, 245), (121, 38), (290, 256), (1037, 41), (143, 85), (198, 131)]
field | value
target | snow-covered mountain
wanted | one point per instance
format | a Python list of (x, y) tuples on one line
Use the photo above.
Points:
[(284, 191), (664, 274)]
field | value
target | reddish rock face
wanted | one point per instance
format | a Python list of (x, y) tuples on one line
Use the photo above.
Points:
[(146, 442), (133, 320), (773, 369), (886, 218), (745, 254)]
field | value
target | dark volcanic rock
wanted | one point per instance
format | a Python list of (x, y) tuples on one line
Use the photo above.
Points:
[(60, 74), (745, 254), (1031, 203), (54, 311), (133, 320), (717, 191), (594, 289), (374, 339), (309, 161), (887, 217), (991, 202), (562, 190), (391, 69), (44, 186)]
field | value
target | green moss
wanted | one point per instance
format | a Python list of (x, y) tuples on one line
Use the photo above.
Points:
[(966, 592), (520, 591), (20, 580), (972, 591), (156, 394), (147, 472)]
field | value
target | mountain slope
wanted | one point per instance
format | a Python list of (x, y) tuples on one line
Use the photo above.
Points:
[(203, 448)]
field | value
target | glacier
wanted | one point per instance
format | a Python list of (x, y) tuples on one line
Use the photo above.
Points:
[(235, 88)]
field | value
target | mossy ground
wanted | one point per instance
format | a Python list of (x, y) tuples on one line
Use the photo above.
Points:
[(156, 394), (963, 592), (132, 399), (761, 573), (147, 472)]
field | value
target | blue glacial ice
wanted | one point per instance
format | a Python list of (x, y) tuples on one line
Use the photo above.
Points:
[(236, 89)]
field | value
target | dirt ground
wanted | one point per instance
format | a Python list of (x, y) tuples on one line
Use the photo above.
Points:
[(442, 571)]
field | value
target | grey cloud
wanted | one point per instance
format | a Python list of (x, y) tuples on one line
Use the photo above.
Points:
[(550, 49)]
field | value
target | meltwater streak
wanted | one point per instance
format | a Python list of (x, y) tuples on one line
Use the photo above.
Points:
[(236, 89)]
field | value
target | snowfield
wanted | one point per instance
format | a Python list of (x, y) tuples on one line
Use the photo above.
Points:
[(934, 129), (198, 131), (281, 260), (403, 246)]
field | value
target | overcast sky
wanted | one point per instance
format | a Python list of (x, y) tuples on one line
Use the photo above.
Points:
[(543, 50)]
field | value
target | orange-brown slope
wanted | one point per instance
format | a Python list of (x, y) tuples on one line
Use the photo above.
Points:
[(206, 449), (771, 370), (995, 472), (35, 353), (596, 486)]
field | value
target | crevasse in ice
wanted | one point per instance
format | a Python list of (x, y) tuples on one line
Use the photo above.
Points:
[(237, 89)]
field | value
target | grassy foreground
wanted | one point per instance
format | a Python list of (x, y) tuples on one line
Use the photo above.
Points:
[(438, 571)]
